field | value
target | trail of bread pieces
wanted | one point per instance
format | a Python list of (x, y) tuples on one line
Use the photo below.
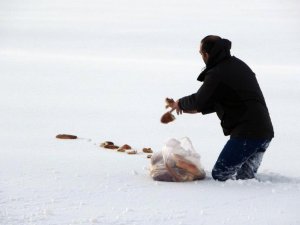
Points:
[(125, 148), (110, 145)]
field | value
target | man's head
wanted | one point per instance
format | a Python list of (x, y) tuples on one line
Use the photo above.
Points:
[(206, 46)]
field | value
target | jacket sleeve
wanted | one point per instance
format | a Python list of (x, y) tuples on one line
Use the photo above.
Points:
[(202, 100)]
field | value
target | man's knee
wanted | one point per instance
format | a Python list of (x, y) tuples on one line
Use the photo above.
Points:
[(221, 175)]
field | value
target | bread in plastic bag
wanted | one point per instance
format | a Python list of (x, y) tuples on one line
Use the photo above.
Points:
[(177, 162)]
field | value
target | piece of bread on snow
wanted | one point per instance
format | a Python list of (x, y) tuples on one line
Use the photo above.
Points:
[(125, 147), (66, 136), (109, 145), (106, 143), (147, 150)]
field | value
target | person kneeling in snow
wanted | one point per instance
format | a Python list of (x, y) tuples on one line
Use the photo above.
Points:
[(231, 90)]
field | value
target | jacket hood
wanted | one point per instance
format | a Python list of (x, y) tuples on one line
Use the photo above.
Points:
[(219, 52)]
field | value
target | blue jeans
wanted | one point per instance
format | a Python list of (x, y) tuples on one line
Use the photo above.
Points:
[(240, 159)]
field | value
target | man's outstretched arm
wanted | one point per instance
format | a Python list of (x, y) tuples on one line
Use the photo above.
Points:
[(176, 106), (201, 101)]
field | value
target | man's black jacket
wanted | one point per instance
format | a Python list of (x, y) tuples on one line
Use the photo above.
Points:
[(231, 90)]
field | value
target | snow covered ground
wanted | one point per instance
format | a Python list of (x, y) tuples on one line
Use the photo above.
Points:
[(101, 70)]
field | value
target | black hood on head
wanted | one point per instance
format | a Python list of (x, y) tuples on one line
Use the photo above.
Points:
[(219, 52)]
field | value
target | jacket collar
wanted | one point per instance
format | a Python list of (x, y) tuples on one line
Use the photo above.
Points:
[(219, 52)]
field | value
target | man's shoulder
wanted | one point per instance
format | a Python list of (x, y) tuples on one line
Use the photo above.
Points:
[(236, 60), (221, 69), (214, 74), (234, 63), (231, 60)]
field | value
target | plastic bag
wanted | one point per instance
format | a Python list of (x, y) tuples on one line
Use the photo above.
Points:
[(178, 161)]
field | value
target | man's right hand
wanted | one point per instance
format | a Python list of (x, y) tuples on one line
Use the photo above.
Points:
[(175, 106)]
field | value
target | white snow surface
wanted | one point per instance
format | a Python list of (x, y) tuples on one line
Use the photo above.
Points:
[(101, 69)]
